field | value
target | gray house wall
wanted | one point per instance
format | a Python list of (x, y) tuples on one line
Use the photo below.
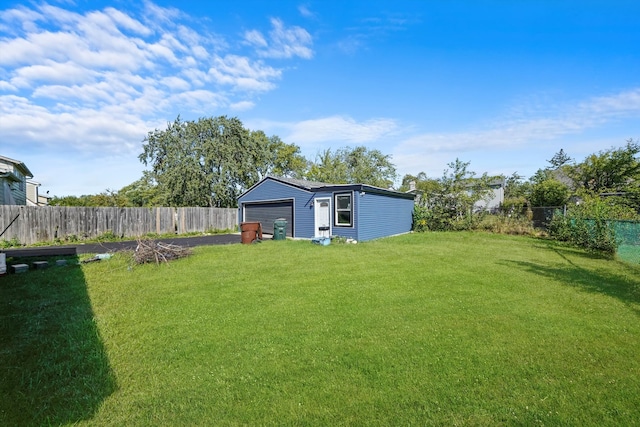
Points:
[(13, 182), (272, 191), (383, 215), (494, 200)]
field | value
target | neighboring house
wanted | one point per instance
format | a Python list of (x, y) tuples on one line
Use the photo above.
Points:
[(13, 181), (495, 198), (34, 198), (316, 209), (492, 202), (561, 175)]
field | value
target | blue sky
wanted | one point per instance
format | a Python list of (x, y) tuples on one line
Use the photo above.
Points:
[(500, 84)]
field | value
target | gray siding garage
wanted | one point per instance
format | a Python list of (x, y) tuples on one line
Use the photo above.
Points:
[(267, 212), (316, 209)]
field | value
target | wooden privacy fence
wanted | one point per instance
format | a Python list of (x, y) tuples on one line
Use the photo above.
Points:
[(33, 224)]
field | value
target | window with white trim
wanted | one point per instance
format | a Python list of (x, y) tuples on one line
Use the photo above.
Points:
[(344, 209)]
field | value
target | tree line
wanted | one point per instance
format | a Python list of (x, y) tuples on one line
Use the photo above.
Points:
[(604, 185), (592, 194), (211, 161)]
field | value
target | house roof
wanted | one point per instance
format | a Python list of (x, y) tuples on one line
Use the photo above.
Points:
[(18, 165), (560, 175), (300, 183), (314, 186)]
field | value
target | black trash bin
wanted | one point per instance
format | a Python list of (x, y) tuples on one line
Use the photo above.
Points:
[(280, 229)]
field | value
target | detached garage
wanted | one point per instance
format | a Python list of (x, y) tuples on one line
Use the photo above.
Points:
[(316, 209)]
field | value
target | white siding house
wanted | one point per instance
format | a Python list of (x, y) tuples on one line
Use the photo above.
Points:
[(13, 181), (34, 197)]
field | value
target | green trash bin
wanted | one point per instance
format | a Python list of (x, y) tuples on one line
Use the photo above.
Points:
[(280, 229)]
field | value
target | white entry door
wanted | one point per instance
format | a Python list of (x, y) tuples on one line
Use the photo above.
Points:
[(322, 209)]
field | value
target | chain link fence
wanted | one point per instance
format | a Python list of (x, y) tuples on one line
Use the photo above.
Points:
[(627, 232), (628, 236), (541, 216)]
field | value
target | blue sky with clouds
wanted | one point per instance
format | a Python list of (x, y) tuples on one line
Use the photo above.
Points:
[(502, 85)]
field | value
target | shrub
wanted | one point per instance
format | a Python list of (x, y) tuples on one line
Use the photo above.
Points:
[(549, 192), (13, 242), (420, 218), (449, 206), (514, 206), (504, 224), (108, 236)]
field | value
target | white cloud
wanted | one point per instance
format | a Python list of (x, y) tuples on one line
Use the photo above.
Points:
[(80, 91), (36, 46), (199, 52), (283, 42), (351, 44), (125, 21), (53, 73), (7, 87), (160, 16), (366, 33), (176, 83), (306, 11), (340, 128), (96, 81), (613, 106), (518, 132), (82, 129), (25, 18), (241, 73), (200, 101), (242, 105), (535, 127), (62, 17), (255, 38), (92, 95)]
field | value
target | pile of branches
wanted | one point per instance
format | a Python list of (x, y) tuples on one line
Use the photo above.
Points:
[(153, 251)]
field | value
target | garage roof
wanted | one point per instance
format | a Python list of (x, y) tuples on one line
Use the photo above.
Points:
[(323, 186)]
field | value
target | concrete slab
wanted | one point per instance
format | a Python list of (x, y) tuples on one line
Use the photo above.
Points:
[(40, 265), (20, 268)]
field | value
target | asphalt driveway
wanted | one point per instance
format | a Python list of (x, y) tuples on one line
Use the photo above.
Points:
[(110, 247)]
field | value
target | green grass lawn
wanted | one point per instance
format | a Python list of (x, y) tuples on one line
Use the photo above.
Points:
[(421, 329), (629, 253)]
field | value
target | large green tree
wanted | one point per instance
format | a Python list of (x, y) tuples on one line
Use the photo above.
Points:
[(549, 192), (211, 161), (143, 192), (358, 165), (614, 173), (420, 183), (559, 159), (107, 198), (280, 159), (613, 170)]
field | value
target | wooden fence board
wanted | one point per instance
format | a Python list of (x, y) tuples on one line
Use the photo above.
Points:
[(205, 219), (36, 224)]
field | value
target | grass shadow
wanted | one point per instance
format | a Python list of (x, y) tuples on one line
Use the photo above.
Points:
[(54, 368), (563, 249), (623, 285)]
